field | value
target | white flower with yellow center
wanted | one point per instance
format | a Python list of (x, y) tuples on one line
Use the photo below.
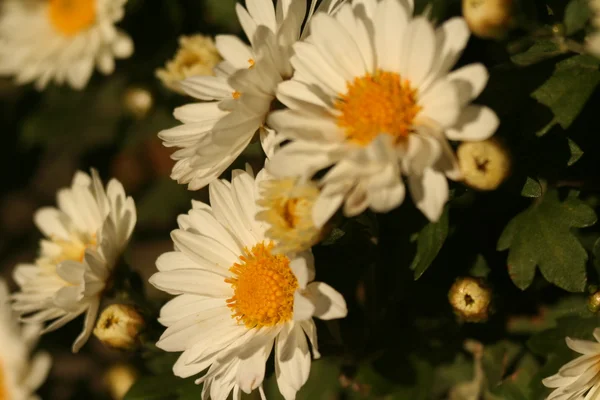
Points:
[(287, 207), (61, 40), (21, 374), (373, 98), (237, 100), (85, 236), (580, 378), (236, 299)]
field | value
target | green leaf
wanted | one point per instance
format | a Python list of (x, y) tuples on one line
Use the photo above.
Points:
[(532, 188), (480, 268), (552, 341), (577, 14), (429, 243), (539, 51), (576, 152), (154, 387), (568, 89), (541, 235)]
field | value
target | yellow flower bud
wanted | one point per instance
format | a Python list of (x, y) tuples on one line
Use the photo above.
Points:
[(490, 19), (594, 302), (119, 326), (138, 101), (484, 165), (471, 299), (118, 379)]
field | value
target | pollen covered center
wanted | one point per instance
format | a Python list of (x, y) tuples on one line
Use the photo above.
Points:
[(69, 17), (263, 287), (377, 103)]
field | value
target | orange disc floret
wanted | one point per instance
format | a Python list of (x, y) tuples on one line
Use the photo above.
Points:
[(263, 286), (377, 103), (69, 17)]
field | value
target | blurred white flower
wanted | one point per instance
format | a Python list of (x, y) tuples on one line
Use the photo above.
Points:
[(21, 373), (84, 238), (61, 40)]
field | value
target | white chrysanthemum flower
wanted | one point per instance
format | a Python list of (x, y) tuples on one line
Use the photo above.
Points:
[(237, 299), (373, 98), (593, 40), (21, 374), (287, 208), (61, 40), (214, 133), (85, 236), (580, 378)]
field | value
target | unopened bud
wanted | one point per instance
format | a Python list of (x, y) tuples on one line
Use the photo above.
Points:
[(471, 299), (484, 165), (489, 19), (594, 302), (138, 101), (119, 326), (119, 379)]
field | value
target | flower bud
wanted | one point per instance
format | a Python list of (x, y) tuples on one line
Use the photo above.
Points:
[(118, 379), (594, 302), (489, 19), (470, 298), (484, 165), (138, 101), (119, 326)]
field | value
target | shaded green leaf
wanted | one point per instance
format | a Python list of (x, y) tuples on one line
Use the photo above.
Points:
[(541, 236), (577, 14), (539, 51), (568, 89), (429, 243), (576, 152), (532, 188)]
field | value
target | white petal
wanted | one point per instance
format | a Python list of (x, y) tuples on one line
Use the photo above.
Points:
[(292, 359), (429, 192), (330, 304), (475, 123)]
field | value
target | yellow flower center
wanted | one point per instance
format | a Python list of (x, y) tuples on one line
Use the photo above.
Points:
[(70, 17), (4, 395), (263, 287), (375, 104), (73, 249)]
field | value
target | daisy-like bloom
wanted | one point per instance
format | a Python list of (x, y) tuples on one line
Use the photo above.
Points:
[(578, 379), (237, 100), (197, 55), (61, 40), (287, 208), (373, 98), (21, 373), (593, 40), (84, 238), (236, 299)]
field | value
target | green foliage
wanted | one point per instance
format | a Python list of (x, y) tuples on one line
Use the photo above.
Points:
[(577, 14), (163, 387), (573, 81), (429, 243), (541, 236)]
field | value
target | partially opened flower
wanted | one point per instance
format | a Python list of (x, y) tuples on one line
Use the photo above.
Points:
[(286, 206), (373, 98), (61, 40), (84, 237), (236, 299), (21, 372), (578, 379), (197, 55), (237, 100)]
